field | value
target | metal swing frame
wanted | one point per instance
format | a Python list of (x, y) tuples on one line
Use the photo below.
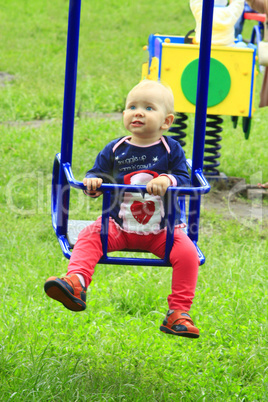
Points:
[(63, 178)]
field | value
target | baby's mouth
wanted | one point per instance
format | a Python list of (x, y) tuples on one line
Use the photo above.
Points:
[(137, 123)]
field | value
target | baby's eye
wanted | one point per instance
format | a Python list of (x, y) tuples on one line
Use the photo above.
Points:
[(149, 108), (132, 107)]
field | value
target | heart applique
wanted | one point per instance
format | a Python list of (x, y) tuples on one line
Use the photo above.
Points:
[(142, 211)]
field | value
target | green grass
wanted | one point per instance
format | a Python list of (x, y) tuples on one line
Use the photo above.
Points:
[(110, 57), (114, 351)]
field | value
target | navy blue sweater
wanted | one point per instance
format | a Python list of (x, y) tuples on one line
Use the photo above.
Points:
[(122, 162)]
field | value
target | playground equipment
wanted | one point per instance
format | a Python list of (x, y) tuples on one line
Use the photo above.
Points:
[(63, 178), (174, 60), (259, 36), (257, 31)]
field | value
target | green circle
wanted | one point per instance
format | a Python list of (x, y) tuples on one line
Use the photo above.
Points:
[(219, 82)]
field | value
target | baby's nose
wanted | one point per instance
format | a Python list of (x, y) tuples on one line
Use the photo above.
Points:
[(138, 112)]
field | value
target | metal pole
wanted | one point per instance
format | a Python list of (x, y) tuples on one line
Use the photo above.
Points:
[(68, 113), (200, 112)]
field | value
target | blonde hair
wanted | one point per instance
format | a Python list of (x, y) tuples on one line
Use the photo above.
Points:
[(168, 98)]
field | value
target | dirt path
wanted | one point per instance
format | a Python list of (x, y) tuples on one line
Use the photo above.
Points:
[(231, 205)]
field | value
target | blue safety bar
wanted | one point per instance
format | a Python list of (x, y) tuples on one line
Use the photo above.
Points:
[(257, 33), (63, 178)]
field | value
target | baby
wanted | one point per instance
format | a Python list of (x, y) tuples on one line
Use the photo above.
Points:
[(146, 157)]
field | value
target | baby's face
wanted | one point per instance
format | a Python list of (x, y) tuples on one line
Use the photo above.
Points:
[(145, 111)]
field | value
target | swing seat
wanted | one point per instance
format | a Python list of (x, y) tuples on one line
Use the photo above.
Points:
[(75, 226), (67, 234)]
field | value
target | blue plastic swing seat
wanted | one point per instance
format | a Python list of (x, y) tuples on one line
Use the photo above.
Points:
[(67, 236), (63, 178)]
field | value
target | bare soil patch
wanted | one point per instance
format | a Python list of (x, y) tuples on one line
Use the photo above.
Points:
[(234, 199), (5, 77)]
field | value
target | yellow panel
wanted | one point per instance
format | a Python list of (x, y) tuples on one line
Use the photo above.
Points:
[(238, 61), (154, 69), (144, 71)]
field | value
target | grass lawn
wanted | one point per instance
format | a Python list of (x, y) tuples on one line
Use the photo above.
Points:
[(114, 350)]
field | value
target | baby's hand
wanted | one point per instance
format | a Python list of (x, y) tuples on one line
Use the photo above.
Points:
[(92, 183), (158, 186)]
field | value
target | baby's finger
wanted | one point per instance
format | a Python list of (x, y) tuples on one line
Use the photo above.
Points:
[(99, 183), (94, 185), (85, 181), (156, 189), (149, 188), (162, 191), (88, 183)]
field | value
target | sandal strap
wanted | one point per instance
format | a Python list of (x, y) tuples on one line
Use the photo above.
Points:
[(180, 317), (75, 283), (71, 281)]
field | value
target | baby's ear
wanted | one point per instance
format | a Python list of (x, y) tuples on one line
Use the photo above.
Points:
[(168, 121)]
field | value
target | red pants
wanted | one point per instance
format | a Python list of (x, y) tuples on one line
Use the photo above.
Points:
[(183, 257)]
